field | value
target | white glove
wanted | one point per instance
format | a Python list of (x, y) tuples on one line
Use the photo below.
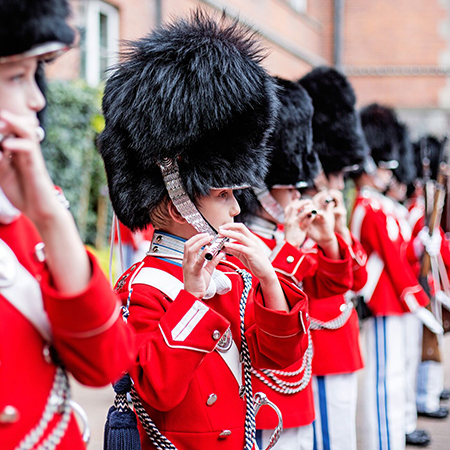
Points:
[(443, 298), (431, 243), (219, 284), (429, 320)]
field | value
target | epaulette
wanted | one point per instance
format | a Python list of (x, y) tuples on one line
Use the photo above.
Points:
[(123, 281)]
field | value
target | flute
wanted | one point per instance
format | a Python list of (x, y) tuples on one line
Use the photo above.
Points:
[(215, 247)]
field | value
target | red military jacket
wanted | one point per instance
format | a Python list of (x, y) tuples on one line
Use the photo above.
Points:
[(346, 354), (87, 330), (188, 387), (392, 287), (318, 275), (416, 220)]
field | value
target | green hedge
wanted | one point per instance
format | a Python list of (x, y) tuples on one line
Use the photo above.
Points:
[(72, 120)]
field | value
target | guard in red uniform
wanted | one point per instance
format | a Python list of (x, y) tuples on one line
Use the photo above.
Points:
[(391, 291), (403, 176), (323, 268), (341, 147), (58, 312), (187, 116), (430, 380)]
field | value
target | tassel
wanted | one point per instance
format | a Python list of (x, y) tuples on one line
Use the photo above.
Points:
[(121, 432), (106, 430)]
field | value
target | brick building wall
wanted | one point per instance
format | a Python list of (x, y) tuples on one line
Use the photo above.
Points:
[(394, 52)]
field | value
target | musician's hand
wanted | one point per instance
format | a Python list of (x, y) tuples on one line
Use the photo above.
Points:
[(23, 175), (335, 200), (297, 219), (197, 271), (247, 248)]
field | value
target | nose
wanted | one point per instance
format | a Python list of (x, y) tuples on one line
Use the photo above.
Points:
[(235, 208), (36, 99), (296, 194)]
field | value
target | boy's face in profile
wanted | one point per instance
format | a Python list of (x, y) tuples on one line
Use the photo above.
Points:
[(19, 93), (219, 207), (284, 196)]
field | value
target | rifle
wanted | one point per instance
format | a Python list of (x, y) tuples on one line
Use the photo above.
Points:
[(434, 204)]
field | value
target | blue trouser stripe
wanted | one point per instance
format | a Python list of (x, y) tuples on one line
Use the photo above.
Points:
[(259, 439), (385, 387), (381, 358), (314, 436), (323, 412)]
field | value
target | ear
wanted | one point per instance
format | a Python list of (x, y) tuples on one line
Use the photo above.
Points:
[(174, 214)]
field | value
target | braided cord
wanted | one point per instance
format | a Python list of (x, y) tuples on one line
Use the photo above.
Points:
[(269, 378), (158, 439), (250, 423), (58, 402), (336, 323)]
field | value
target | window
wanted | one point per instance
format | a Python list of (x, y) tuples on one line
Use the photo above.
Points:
[(99, 40)]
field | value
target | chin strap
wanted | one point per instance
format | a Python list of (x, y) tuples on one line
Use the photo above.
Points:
[(270, 205)]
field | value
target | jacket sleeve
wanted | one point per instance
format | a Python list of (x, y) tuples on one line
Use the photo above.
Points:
[(89, 334), (333, 277), (321, 276), (277, 339), (173, 339), (375, 236), (359, 261)]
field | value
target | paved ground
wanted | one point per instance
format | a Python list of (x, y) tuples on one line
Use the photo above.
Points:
[(97, 401)]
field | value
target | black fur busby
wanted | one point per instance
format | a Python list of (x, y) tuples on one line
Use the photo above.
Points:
[(380, 125), (406, 170), (337, 134), (193, 90), (291, 159), (431, 148), (26, 23)]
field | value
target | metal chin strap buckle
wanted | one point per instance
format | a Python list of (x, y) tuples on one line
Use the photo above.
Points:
[(261, 399)]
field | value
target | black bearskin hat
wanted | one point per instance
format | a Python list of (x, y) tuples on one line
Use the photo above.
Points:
[(380, 128), (27, 23), (406, 170), (193, 91), (337, 134), (291, 159), (429, 147)]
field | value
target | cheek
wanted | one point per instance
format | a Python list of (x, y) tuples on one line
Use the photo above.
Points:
[(12, 99)]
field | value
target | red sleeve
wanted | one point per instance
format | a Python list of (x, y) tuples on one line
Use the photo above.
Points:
[(321, 276), (333, 277), (359, 261), (278, 339), (89, 334), (374, 236)]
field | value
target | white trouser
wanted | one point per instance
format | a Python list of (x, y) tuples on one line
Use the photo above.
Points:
[(413, 353), (430, 383), (300, 438), (335, 403), (381, 421)]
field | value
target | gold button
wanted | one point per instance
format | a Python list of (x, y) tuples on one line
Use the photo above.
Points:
[(211, 400), (9, 414), (158, 238), (216, 335), (155, 249), (290, 259), (224, 434)]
